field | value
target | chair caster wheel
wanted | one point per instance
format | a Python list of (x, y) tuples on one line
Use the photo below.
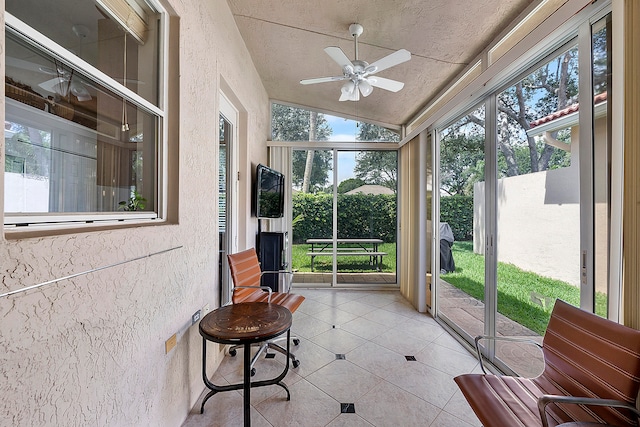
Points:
[(253, 371), (296, 341), (232, 353), (296, 363)]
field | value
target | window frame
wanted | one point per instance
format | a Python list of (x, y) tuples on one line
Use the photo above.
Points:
[(62, 220)]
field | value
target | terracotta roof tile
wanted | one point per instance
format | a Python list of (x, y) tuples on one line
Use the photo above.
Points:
[(566, 111)]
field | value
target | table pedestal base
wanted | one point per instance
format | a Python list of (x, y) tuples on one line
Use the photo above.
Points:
[(246, 385)]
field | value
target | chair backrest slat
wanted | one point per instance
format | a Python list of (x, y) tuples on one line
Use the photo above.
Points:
[(589, 356), (245, 271)]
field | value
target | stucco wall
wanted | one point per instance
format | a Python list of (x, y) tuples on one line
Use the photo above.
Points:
[(90, 350), (539, 218), (534, 234)]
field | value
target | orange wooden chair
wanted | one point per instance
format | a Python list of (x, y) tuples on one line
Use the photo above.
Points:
[(246, 275)]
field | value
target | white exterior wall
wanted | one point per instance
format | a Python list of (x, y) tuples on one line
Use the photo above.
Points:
[(534, 234), (91, 350), (539, 218)]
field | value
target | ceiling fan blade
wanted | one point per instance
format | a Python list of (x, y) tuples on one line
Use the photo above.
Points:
[(387, 84), (397, 57), (322, 80), (338, 55)]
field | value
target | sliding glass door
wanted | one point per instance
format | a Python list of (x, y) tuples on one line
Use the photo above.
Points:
[(312, 217), (461, 284), (532, 163), (344, 234), (537, 204), (366, 217)]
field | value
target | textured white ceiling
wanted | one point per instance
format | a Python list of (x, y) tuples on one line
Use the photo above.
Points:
[(286, 39)]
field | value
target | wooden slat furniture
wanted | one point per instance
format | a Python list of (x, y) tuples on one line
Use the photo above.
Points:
[(246, 274), (591, 375), (357, 247)]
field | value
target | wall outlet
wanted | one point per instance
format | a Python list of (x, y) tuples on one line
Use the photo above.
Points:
[(170, 343), (195, 317), (206, 309)]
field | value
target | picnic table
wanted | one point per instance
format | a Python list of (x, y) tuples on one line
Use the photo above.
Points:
[(350, 247)]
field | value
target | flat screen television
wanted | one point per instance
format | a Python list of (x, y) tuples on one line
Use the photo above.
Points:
[(269, 193)]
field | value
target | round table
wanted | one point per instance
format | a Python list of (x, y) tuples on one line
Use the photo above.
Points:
[(244, 324)]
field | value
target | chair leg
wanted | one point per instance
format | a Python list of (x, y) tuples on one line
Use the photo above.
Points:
[(256, 356), (272, 344), (294, 361)]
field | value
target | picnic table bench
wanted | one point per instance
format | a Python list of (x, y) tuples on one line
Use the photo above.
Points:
[(356, 247)]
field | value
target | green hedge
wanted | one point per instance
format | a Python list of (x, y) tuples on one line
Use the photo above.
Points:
[(458, 212), (369, 216), (359, 216)]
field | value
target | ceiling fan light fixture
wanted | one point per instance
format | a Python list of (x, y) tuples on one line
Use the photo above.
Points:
[(80, 92), (365, 87), (348, 88)]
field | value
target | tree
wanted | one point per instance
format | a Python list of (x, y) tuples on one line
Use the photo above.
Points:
[(548, 89), (292, 124), (370, 132), (378, 167), (295, 124), (319, 177), (313, 127), (462, 163), (349, 184)]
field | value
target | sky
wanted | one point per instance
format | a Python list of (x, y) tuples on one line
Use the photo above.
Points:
[(343, 130)]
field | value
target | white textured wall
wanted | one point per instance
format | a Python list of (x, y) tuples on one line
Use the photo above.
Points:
[(535, 233), (90, 350), (539, 217)]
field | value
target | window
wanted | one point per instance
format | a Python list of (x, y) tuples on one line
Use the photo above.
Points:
[(343, 176), (84, 112), (298, 124)]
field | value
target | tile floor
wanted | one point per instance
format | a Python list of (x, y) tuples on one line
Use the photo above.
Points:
[(354, 369)]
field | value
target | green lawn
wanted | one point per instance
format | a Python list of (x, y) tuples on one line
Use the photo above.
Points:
[(516, 289), (355, 264)]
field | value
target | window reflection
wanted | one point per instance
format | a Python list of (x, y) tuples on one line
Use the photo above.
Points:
[(71, 144), (89, 30)]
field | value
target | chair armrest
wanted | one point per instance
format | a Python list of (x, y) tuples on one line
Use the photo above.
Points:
[(493, 338), (546, 399), (288, 272), (276, 272), (264, 288)]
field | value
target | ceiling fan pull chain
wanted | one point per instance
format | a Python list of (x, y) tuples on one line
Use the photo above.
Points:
[(125, 122)]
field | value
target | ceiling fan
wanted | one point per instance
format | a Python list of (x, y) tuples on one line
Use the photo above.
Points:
[(360, 75), (64, 83)]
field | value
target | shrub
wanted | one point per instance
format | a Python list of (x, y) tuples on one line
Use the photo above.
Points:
[(458, 212), (359, 216)]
